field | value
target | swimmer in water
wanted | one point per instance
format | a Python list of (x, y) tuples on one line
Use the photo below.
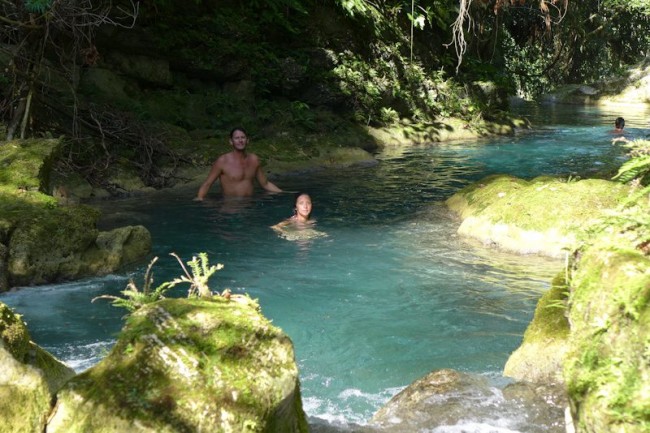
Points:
[(300, 224)]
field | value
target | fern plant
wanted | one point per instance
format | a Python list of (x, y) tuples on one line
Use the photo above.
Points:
[(133, 298), (198, 279), (636, 170)]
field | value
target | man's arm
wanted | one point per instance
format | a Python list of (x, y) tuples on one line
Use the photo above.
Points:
[(214, 174), (264, 182)]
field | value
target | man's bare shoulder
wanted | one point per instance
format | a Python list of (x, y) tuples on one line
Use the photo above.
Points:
[(223, 159), (253, 158)]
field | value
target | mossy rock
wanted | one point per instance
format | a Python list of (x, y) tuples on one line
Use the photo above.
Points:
[(46, 246), (541, 216), (449, 129), (607, 370), (29, 377), (64, 243), (42, 241), (26, 164), (189, 365), (540, 356)]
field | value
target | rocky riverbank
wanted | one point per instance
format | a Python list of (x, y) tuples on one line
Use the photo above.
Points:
[(589, 331)]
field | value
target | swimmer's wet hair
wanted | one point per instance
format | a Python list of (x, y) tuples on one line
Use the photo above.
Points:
[(238, 128), (620, 122), (298, 194)]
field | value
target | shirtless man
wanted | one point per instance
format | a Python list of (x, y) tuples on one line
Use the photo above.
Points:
[(236, 170), (619, 124)]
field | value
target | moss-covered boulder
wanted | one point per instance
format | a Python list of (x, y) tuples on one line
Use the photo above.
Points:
[(607, 370), (29, 377), (541, 216), (189, 365), (42, 241), (63, 243), (540, 356)]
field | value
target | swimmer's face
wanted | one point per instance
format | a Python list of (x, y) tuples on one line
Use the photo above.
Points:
[(303, 206), (239, 140)]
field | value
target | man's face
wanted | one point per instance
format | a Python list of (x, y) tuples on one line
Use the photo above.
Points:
[(239, 140)]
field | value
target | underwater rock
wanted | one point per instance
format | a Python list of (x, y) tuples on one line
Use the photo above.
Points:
[(29, 377), (182, 365), (463, 402)]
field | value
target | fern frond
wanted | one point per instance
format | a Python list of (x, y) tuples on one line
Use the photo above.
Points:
[(636, 196), (633, 169)]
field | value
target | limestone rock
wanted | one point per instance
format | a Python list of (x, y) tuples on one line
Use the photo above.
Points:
[(189, 365), (537, 217), (462, 400), (66, 245), (539, 358), (124, 245), (152, 70), (29, 377), (607, 369)]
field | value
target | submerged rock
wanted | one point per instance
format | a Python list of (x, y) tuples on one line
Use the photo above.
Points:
[(184, 365), (467, 402), (29, 377)]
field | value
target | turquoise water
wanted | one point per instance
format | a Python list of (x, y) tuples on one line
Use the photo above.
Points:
[(391, 294)]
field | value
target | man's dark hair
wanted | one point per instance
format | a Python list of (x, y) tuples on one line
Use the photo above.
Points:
[(232, 131), (619, 123)]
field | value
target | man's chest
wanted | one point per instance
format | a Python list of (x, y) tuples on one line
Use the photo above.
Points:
[(239, 170)]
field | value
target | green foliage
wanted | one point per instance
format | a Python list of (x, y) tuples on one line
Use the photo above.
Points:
[(198, 279), (625, 228), (538, 52), (359, 7), (201, 271), (526, 66), (133, 298), (38, 6), (636, 169), (642, 6), (628, 226), (638, 166)]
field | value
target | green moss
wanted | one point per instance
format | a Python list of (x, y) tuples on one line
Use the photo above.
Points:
[(178, 358), (14, 333), (550, 321), (23, 410), (26, 164), (534, 205), (474, 199), (608, 367)]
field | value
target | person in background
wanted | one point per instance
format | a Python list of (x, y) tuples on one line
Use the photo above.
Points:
[(237, 170), (619, 124)]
